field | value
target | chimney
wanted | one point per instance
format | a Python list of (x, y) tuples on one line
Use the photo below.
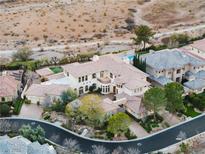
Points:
[(95, 58)]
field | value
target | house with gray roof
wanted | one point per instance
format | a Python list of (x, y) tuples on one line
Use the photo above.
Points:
[(21, 145), (172, 64), (197, 86), (166, 66)]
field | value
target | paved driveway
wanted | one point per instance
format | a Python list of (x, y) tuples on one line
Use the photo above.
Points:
[(31, 111), (171, 119), (138, 130)]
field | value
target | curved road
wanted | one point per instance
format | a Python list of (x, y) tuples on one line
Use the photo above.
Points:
[(151, 143)]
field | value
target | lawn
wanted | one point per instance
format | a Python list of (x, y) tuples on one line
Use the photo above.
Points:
[(56, 69), (190, 112), (93, 98)]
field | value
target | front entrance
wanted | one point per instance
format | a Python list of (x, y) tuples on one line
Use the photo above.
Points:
[(178, 79)]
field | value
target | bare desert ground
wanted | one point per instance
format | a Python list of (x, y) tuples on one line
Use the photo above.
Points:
[(40, 22)]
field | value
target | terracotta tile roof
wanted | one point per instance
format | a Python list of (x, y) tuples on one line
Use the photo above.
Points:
[(125, 74), (200, 45), (39, 90), (8, 86)]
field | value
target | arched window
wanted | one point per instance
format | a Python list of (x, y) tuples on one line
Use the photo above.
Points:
[(81, 91)]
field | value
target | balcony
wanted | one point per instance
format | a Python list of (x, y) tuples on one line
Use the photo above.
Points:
[(104, 80)]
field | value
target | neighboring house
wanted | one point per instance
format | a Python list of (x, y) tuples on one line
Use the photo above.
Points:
[(9, 88), (39, 94), (21, 145), (198, 47), (168, 65), (172, 64), (197, 86), (109, 73)]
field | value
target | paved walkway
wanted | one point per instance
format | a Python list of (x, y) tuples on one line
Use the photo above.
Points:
[(138, 130), (31, 111)]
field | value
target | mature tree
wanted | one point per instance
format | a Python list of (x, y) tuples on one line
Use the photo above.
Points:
[(91, 109), (155, 99), (143, 34), (176, 40), (118, 123), (139, 63), (68, 96), (4, 109), (22, 54), (174, 92), (33, 134)]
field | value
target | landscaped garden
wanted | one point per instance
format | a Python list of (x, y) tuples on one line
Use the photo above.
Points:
[(9, 108), (151, 122), (194, 104), (190, 111)]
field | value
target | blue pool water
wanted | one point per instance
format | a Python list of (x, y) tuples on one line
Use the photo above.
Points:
[(130, 57)]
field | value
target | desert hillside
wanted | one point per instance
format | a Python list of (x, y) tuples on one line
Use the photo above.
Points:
[(40, 22)]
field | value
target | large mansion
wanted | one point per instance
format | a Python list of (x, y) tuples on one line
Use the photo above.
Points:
[(108, 73), (176, 65)]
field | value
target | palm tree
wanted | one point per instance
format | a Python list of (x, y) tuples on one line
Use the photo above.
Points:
[(143, 34)]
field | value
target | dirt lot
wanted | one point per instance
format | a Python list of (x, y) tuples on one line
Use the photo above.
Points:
[(38, 22), (174, 13)]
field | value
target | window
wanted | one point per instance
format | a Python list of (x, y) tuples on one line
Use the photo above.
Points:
[(83, 79), (79, 79), (94, 75), (86, 78), (67, 73), (178, 71), (94, 86), (111, 75), (101, 73), (3, 99), (86, 88), (80, 90)]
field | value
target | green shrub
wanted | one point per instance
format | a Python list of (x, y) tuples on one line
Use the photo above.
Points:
[(197, 100), (130, 135), (30, 65), (33, 134), (17, 106), (4, 109)]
